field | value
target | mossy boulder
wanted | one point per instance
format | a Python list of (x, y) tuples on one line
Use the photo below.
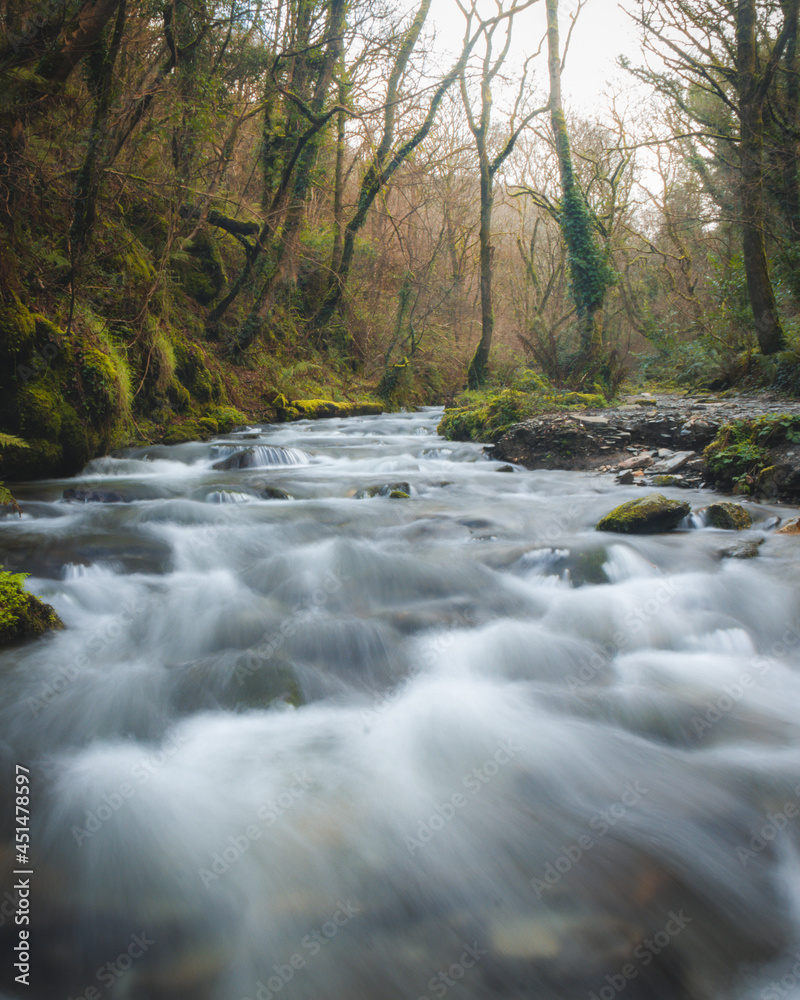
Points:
[(17, 331), (21, 614), (227, 418), (645, 515), (189, 430), (199, 268), (729, 516), (193, 372), (315, 409)]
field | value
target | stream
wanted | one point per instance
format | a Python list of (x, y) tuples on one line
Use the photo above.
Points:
[(352, 746)]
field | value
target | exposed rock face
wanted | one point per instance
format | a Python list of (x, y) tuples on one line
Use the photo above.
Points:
[(645, 515), (654, 441)]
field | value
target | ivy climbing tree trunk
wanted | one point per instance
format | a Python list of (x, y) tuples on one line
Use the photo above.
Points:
[(752, 91), (590, 272)]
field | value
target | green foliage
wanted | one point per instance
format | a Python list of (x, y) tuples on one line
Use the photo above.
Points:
[(21, 614), (740, 453), (486, 414)]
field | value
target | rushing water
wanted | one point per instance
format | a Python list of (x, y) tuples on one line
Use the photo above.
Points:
[(354, 747)]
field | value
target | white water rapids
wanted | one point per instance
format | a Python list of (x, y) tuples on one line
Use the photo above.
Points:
[(345, 746)]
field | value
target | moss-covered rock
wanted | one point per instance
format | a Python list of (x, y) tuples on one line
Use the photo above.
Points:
[(729, 516), (199, 268), (17, 331), (743, 454), (189, 430), (193, 372), (21, 614), (315, 409), (486, 415), (399, 495), (227, 418), (645, 515)]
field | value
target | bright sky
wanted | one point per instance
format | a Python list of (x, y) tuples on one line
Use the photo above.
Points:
[(602, 33)]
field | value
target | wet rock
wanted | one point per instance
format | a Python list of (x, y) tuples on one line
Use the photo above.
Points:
[(383, 490), (505, 468), (730, 516), (236, 681), (792, 527), (670, 481), (645, 515), (399, 495), (90, 494), (742, 550), (625, 478), (274, 493)]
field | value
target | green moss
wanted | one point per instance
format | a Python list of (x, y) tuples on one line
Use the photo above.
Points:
[(39, 412), (17, 331), (192, 371), (209, 425), (486, 414), (645, 515), (227, 418), (315, 409), (740, 453), (21, 614), (399, 495), (189, 430), (199, 268), (101, 386), (730, 516), (179, 396)]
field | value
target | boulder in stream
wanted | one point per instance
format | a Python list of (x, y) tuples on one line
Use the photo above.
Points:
[(21, 614), (730, 516), (645, 515)]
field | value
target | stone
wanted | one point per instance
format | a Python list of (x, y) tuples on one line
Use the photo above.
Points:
[(743, 550), (505, 468), (637, 462), (792, 527), (645, 515), (670, 465), (729, 516), (625, 478), (273, 493)]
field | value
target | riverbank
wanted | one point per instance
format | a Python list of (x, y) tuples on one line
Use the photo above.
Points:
[(745, 445)]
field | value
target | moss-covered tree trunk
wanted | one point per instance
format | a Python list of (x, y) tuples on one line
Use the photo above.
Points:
[(589, 269), (751, 99)]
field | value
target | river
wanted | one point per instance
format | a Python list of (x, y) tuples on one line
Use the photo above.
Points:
[(346, 746)]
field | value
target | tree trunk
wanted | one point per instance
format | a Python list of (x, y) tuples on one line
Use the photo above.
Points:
[(478, 370), (759, 287), (588, 269)]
